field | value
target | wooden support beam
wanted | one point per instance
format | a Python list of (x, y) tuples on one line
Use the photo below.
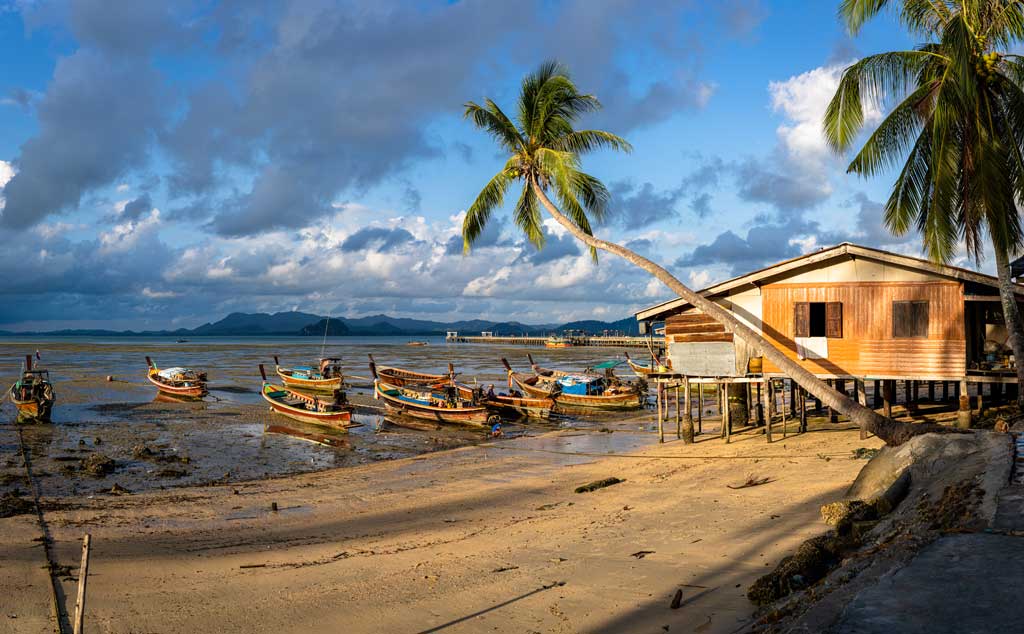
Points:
[(767, 409), (803, 411), (876, 395), (862, 398), (661, 403), (726, 418), (688, 417), (888, 396), (679, 419), (931, 391)]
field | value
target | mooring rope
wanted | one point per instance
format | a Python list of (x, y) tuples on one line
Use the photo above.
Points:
[(51, 561)]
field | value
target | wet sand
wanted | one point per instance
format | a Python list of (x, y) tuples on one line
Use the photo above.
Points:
[(483, 538)]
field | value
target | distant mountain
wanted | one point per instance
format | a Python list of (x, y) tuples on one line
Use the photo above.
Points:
[(289, 323), (309, 325)]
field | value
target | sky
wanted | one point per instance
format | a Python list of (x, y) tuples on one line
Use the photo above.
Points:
[(163, 164)]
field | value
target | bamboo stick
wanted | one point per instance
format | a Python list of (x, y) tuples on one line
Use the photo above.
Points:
[(83, 574)]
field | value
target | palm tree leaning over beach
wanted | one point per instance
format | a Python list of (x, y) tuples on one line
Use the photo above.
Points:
[(959, 122), (544, 155)]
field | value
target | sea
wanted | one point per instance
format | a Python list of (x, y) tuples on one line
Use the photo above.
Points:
[(231, 436)]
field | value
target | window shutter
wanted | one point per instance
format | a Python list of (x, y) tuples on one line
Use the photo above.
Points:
[(834, 320), (801, 319)]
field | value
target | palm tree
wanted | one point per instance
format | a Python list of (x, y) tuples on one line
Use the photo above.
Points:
[(959, 123), (544, 152)]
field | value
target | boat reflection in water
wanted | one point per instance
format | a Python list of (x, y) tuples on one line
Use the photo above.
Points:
[(311, 433)]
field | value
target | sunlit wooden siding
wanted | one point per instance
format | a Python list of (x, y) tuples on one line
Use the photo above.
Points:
[(867, 347)]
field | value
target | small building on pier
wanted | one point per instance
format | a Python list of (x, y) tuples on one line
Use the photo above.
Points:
[(849, 312)]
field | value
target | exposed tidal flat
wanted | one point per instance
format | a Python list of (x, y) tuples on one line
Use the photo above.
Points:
[(231, 436)]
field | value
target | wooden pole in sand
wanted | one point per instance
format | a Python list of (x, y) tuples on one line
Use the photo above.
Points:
[(768, 401), (803, 411), (726, 418), (679, 416), (688, 417), (83, 574), (862, 398), (700, 408), (661, 402)]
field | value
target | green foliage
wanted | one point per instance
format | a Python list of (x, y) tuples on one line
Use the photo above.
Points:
[(544, 151), (957, 126)]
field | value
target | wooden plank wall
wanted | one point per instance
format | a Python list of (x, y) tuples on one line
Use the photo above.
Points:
[(867, 347), (694, 327)]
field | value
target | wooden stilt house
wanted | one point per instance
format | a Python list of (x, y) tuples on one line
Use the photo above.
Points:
[(849, 312)]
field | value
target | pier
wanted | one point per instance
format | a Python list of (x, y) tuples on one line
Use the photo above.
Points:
[(577, 340)]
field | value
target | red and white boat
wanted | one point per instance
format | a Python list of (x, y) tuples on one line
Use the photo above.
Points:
[(178, 381)]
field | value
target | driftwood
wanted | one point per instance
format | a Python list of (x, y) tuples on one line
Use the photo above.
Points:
[(752, 481), (598, 484)]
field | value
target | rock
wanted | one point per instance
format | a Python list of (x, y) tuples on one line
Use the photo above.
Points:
[(811, 561), (142, 452), (98, 465), (117, 489)]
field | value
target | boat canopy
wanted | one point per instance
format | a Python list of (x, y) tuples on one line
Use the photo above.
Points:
[(173, 373), (607, 365)]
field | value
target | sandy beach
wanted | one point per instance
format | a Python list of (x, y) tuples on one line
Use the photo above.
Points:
[(482, 538)]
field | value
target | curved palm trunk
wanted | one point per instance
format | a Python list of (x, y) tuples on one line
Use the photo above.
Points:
[(890, 431), (1011, 315)]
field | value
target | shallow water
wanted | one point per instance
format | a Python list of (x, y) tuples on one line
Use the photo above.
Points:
[(231, 436)]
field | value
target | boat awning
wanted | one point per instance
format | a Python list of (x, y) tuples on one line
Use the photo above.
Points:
[(607, 365), (170, 373)]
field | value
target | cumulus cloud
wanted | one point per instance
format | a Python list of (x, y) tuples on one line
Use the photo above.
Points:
[(797, 173), (378, 239)]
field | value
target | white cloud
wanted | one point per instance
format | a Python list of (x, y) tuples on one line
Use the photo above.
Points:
[(6, 174), (803, 100), (125, 235), (151, 294)]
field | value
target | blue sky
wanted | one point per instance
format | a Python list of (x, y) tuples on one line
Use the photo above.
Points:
[(164, 164)]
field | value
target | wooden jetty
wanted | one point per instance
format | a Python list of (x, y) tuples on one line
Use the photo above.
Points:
[(581, 340)]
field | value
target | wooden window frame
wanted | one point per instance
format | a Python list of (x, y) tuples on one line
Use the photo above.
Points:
[(916, 327), (833, 319)]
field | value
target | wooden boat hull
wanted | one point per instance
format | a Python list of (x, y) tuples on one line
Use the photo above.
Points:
[(627, 400), (528, 407), (33, 410), (337, 420), (398, 377), (640, 370), (312, 385), (475, 416), (557, 344), (193, 391)]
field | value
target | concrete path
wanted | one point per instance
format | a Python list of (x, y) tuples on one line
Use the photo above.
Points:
[(962, 584)]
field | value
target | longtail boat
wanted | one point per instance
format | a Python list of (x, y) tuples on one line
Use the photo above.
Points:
[(177, 381), (508, 405), (326, 377), (577, 391), (399, 377), (305, 408), (547, 372), (521, 405), (33, 394), (443, 404), (643, 371), (557, 342)]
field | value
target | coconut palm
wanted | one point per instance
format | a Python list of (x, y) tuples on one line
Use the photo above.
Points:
[(545, 151), (956, 130)]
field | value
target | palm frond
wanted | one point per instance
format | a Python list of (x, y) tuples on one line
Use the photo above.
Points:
[(910, 195), (490, 198), (527, 217), (886, 74), (855, 13), (890, 140), (585, 141), (491, 119)]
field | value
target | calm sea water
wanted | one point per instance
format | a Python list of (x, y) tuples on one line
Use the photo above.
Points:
[(231, 435)]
